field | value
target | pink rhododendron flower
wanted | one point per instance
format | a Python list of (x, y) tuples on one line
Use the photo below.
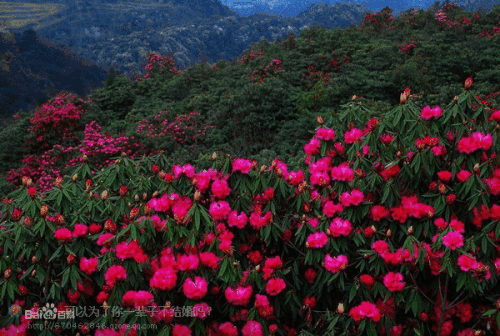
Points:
[(463, 175), (340, 227), (317, 240), (379, 212), (220, 189), (336, 264), (187, 262), (444, 175), (130, 249), (453, 240), (252, 328), (181, 208), (428, 113), (114, 274), (239, 296), (181, 330), (187, 170), (457, 225), (242, 165), (394, 281), (312, 147), (164, 279), (274, 262), (219, 210), (296, 177), (234, 220), (367, 279), (342, 173), (353, 198), (275, 286), (89, 266), (80, 230), (330, 209), (228, 329), (365, 309), (195, 290), (352, 136), (63, 235), (209, 259), (380, 246), (257, 221), (203, 180), (467, 263), (325, 134)]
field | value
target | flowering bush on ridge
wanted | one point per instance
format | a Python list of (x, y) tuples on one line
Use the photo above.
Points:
[(390, 227)]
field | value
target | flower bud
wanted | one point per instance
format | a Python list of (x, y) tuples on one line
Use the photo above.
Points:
[(7, 273), (104, 195), (410, 230), (28, 182), (59, 219), (353, 98), (58, 182), (340, 308), (162, 174), (374, 228), (124, 154), (319, 119), (366, 256), (27, 221), (307, 207), (402, 98), (34, 260), (136, 198), (432, 186), (450, 199), (257, 268), (105, 305), (468, 83), (197, 195), (123, 190), (263, 168), (155, 194), (85, 158), (71, 259), (144, 196), (133, 213), (155, 169), (328, 232), (442, 188), (476, 168), (214, 156), (74, 177), (455, 100)]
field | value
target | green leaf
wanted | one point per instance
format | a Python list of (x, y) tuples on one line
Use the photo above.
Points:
[(65, 277), (10, 290), (56, 254), (489, 312), (197, 219), (223, 268)]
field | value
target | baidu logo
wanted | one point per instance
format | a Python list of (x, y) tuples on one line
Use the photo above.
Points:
[(49, 312)]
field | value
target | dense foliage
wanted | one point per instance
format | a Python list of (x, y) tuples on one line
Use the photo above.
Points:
[(319, 70)]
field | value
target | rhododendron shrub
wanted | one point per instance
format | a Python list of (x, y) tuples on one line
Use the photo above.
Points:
[(390, 227)]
